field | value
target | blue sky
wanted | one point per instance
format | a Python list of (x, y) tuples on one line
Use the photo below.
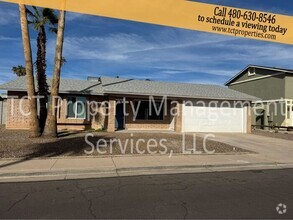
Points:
[(96, 46)]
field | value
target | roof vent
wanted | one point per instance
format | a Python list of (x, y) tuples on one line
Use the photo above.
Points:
[(92, 78), (251, 71)]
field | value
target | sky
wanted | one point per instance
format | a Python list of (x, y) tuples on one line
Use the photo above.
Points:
[(97, 46)]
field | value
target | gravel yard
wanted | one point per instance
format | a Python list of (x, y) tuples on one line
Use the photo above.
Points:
[(16, 144), (281, 134)]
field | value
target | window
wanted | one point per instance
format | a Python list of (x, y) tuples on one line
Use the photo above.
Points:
[(251, 71), (147, 110), (76, 107)]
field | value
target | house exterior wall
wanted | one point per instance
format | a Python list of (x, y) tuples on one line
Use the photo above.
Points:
[(63, 122), (289, 87), (178, 119), (99, 119), (96, 118), (132, 124), (277, 114), (16, 120), (271, 90), (271, 113), (111, 115), (267, 88), (14, 117), (104, 119)]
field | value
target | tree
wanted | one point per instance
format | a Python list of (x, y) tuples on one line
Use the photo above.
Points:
[(42, 20), (51, 122), (19, 70), (34, 122)]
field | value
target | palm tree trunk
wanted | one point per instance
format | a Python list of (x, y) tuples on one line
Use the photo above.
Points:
[(34, 121), (51, 122), (41, 75)]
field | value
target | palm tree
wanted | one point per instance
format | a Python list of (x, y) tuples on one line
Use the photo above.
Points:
[(30, 84), (40, 20), (19, 70), (51, 122)]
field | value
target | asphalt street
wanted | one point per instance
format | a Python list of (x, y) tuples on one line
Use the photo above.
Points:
[(249, 194)]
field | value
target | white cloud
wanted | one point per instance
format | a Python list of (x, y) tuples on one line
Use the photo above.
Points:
[(8, 16), (117, 47), (175, 52), (71, 16), (207, 70), (4, 38)]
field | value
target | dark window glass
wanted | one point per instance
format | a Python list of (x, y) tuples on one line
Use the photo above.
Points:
[(71, 107), (144, 111)]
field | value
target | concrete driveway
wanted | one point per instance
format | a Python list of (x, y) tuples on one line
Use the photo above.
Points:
[(270, 149)]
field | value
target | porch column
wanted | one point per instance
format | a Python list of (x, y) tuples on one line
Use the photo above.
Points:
[(111, 115), (249, 118), (178, 118)]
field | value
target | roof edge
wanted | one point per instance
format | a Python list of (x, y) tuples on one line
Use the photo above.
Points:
[(251, 98), (259, 67)]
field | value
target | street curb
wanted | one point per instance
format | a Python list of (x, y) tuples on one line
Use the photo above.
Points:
[(127, 155), (136, 171)]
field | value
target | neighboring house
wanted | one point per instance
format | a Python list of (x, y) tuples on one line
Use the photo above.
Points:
[(116, 90), (274, 86), (3, 99)]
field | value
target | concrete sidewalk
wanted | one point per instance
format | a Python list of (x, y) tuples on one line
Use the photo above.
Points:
[(77, 168)]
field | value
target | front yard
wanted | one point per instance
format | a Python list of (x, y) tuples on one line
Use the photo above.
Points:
[(273, 134), (15, 144)]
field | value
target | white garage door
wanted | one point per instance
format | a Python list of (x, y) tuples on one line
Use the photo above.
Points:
[(214, 117)]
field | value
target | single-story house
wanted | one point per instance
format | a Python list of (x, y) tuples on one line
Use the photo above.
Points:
[(180, 107), (274, 86), (3, 100)]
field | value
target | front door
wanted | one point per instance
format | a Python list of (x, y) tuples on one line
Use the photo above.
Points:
[(120, 116)]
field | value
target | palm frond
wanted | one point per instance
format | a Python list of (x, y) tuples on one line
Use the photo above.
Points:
[(63, 61), (19, 70), (37, 14), (53, 30), (50, 15), (30, 14)]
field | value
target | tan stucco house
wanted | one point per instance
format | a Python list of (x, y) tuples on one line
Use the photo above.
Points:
[(126, 103)]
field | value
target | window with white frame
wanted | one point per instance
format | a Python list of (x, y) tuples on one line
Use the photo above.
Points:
[(76, 107)]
